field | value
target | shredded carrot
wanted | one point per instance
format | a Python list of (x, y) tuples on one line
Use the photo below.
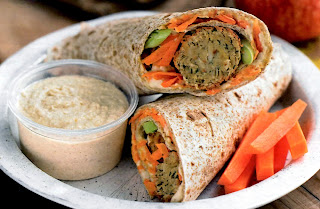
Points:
[(161, 152), (256, 32), (242, 23), (150, 186), (180, 177), (156, 55), (212, 91), (297, 142), (158, 118), (169, 82), (156, 155), (169, 39), (182, 22), (247, 73), (141, 143), (167, 56), (278, 129), (227, 19), (241, 158), (135, 117), (212, 13), (160, 74), (244, 179), (164, 150), (174, 22), (265, 164), (280, 154), (182, 27)]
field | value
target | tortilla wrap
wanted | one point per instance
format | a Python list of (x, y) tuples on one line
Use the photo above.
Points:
[(200, 133), (213, 65)]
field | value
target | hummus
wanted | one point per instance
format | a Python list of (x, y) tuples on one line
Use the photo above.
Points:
[(73, 102)]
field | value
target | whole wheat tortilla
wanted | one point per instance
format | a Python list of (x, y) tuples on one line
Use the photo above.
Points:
[(206, 130), (120, 44)]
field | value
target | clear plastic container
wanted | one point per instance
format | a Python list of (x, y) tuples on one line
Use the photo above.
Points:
[(71, 154)]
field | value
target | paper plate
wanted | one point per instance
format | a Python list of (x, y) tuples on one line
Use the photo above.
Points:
[(122, 187)]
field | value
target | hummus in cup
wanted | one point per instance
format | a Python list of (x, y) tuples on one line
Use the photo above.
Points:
[(72, 116)]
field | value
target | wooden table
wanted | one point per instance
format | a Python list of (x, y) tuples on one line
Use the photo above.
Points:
[(24, 21)]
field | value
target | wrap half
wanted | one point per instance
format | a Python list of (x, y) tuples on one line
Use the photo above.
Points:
[(202, 52), (181, 142)]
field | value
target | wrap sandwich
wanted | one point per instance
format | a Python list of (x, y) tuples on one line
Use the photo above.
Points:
[(202, 52), (179, 143)]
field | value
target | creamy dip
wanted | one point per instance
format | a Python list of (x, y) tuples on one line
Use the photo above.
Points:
[(72, 102)]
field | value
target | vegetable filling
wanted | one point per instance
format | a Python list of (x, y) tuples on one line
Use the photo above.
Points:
[(204, 58), (160, 161)]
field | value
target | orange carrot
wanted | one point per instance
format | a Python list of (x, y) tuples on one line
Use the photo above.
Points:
[(242, 23), (244, 179), (169, 38), (280, 154), (226, 19), (161, 152), (150, 186), (169, 82), (164, 150), (241, 157), (158, 75), (174, 22), (156, 55), (135, 117), (168, 55), (156, 155), (212, 91), (256, 31), (159, 119), (249, 72), (297, 142), (185, 24), (278, 129), (265, 164)]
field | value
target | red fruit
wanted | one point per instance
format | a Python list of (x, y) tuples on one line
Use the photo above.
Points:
[(293, 20)]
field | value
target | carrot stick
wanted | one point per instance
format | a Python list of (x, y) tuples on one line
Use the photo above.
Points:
[(226, 19), (168, 55), (185, 24), (241, 157), (244, 179), (265, 164), (297, 142), (278, 129), (280, 154)]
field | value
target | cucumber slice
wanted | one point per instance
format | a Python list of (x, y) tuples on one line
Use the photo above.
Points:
[(149, 127), (247, 53), (156, 38)]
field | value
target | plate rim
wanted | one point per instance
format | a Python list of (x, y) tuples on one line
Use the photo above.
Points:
[(73, 197)]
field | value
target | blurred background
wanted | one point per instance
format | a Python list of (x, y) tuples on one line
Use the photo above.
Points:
[(23, 21)]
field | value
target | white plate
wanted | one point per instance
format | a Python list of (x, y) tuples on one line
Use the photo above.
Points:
[(122, 187)]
